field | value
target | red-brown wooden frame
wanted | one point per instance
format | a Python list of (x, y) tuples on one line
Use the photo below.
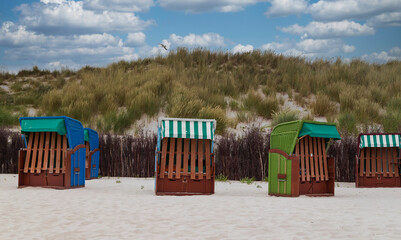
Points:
[(380, 158), (36, 155), (173, 176), (312, 172)]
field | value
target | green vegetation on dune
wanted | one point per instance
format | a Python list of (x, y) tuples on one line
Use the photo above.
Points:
[(203, 84)]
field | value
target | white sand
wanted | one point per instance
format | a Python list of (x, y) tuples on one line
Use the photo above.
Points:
[(105, 209)]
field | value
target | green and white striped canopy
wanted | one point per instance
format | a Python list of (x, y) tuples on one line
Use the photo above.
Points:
[(187, 128), (380, 140)]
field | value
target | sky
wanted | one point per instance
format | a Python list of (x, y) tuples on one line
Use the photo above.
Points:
[(59, 34)]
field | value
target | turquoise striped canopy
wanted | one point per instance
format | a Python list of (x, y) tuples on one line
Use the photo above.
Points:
[(187, 128), (380, 140)]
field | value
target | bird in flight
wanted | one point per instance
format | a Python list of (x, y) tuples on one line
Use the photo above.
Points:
[(163, 46)]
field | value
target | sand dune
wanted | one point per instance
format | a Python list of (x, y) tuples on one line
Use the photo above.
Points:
[(105, 209)]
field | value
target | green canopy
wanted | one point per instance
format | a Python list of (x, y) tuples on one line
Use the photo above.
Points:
[(86, 135), (379, 140), (187, 128), (285, 135), (43, 125), (319, 130)]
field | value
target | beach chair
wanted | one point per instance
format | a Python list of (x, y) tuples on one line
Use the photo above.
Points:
[(184, 162), (54, 153), (92, 154), (378, 160), (298, 161)]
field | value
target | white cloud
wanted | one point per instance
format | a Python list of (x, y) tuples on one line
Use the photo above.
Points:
[(286, 7), (343, 28), (65, 64), (152, 51), (207, 40), (395, 51), (348, 48), (310, 47), (324, 46), (12, 35), (193, 40), (68, 17), (352, 9), (52, 1), (197, 6), (135, 39), (383, 56), (386, 19), (275, 46), (239, 48), (53, 49), (119, 5), (127, 57)]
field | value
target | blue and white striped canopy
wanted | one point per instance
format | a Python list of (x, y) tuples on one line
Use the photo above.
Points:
[(187, 128), (380, 140)]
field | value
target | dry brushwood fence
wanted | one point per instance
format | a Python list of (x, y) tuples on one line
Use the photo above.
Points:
[(236, 157), (10, 143)]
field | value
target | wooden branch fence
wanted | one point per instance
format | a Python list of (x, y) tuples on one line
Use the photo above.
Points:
[(236, 157)]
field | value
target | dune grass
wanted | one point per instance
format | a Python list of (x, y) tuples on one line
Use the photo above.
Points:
[(196, 83)]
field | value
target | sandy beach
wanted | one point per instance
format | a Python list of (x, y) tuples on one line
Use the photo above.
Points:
[(127, 208)]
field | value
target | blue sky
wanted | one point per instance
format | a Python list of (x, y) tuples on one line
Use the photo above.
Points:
[(54, 34)]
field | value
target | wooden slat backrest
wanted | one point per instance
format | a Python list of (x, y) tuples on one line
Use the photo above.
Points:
[(52, 151), (316, 159), (58, 153), (40, 152), (362, 162), (207, 155), (34, 152), (307, 157), (179, 158), (171, 157), (302, 159), (65, 146), (312, 168), (367, 171), (313, 158), (385, 162), (379, 160), (186, 155), (200, 158), (326, 170), (373, 159), (193, 158), (395, 161), (319, 147), (390, 161), (396, 166), (163, 160), (29, 151), (193, 153), (47, 151)]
